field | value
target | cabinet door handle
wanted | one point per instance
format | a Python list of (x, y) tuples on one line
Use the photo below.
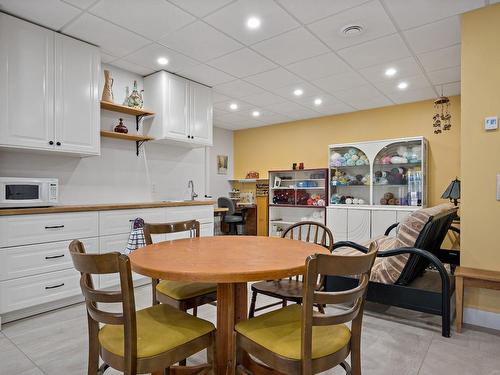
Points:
[(51, 143), (55, 256), (54, 286), (58, 143), (54, 227)]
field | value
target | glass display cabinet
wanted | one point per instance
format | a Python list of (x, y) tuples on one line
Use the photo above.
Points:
[(296, 195)]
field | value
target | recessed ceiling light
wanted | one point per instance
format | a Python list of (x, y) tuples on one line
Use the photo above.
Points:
[(318, 101), (352, 30), (255, 113), (298, 92), (390, 72), (253, 23), (162, 61), (233, 106), (402, 85)]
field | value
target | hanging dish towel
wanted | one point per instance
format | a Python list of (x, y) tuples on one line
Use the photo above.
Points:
[(136, 237)]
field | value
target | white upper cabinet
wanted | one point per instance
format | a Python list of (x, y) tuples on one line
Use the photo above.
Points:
[(49, 90), (26, 84), (77, 111), (183, 110)]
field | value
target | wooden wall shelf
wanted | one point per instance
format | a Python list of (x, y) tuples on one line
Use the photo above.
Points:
[(138, 138), (127, 110)]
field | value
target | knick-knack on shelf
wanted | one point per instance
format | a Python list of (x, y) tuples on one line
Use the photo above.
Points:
[(135, 99), (120, 128), (127, 93), (107, 91)]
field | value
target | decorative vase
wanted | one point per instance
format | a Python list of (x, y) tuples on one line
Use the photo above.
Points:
[(107, 91), (135, 99), (120, 128), (127, 93)]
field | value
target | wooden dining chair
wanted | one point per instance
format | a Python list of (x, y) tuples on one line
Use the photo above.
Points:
[(297, 340), (180, 294), (290, 290), (135, 342)]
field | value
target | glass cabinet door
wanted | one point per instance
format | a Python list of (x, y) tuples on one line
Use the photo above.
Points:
[(398, 175), (298, 187), (349, 176)]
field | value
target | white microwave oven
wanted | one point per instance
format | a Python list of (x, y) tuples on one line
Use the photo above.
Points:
[(28, 192)]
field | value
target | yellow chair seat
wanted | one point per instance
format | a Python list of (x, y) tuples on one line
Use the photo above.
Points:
[(180, 290), (159, 329), (280, 332)]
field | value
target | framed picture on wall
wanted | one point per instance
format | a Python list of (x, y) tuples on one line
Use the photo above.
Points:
[(222, 164)]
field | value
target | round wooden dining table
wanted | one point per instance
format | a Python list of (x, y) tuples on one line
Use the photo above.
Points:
[(231, 262)]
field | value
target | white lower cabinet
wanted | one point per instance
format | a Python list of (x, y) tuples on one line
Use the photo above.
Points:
[(336, 221), (381, 220), (358, 226), (120, 221)]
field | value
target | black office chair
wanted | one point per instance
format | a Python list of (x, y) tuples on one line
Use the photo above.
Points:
[(230, 218)]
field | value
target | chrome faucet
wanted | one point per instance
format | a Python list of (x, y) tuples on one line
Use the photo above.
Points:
[(193, 194)]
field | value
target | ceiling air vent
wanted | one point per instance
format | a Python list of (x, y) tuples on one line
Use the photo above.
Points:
[(352, 30)]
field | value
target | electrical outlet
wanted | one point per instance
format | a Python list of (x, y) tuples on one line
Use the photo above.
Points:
[(153, 188)]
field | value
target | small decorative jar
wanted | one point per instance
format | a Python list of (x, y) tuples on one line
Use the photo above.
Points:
[(120, 128)]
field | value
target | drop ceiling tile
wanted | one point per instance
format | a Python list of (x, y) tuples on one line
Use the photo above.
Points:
[(329, 105), (237, 89), (245, 120), (434, 36), (411, 13), (218, 97), (307, 88), (340, 81), (50, 13), (274, 118), (206, 74), (263, 99), (232, 20), (448, 75), (148, 55), (371, 16), (134, 68), (82, 4), (113, 39), (319, 66), (290, 47), (242, 63), (242, 106), (390, 87), (375, 52), (406, 67), (200, 8), (363, 97), (273, 79), (286, 108), (449, 89), (200, 41), (414, 95), (303, 114), (308, 11), (106, 58), (441, 58), (151, 19)]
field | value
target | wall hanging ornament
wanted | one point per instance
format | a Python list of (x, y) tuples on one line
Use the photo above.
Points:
[(107, 91), (442, 117)]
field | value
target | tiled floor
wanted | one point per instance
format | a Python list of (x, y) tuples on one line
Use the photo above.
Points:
[(395, 342)]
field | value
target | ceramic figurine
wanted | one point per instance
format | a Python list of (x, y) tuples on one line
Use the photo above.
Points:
[(107, 91), (134, 100), (120, 128)]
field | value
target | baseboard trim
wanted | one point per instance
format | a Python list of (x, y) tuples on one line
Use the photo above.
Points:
[(482, 318)]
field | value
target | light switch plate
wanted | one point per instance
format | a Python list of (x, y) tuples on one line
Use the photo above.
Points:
[(491, 123)]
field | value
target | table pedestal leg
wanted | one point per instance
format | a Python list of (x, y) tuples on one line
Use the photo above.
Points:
[(231, 308)]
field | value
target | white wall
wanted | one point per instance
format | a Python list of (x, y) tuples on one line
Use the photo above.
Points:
[(219, 185), (161, 172)]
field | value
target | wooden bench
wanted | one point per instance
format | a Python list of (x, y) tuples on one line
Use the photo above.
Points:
[(474, 278)]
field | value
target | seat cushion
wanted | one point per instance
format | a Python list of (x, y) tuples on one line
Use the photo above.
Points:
[(159, 329), (280, 288), (232, 218), (280, 332), (180, 290)]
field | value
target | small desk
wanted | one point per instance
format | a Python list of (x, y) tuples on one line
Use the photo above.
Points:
[(220, 210), (474, 278)]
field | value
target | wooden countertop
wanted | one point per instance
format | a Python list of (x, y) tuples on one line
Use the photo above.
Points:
[(101, 207)]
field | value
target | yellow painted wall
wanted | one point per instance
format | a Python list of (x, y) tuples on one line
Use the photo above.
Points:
[(480, 150), (278, 146)]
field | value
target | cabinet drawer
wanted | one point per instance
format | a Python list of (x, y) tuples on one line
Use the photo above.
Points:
[(31, 229), (120, 221), (117, 242), (36, 290), (207, 230), (31, 260), (204, 214)]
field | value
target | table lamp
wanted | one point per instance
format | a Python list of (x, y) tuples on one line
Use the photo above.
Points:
[(452, 192)]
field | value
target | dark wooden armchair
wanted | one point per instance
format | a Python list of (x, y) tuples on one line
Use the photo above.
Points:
[(408, 292)]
